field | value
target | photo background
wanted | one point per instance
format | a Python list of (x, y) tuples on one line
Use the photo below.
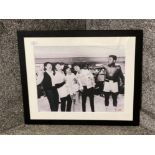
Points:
[(73, 54)]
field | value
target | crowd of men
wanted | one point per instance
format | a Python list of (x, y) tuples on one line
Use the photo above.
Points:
[(63, 83)]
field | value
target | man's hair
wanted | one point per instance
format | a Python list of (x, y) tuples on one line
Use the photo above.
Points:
[(62, 63), (65, 68), (76, 64), (81, 65), (84, 66), (113, 56)]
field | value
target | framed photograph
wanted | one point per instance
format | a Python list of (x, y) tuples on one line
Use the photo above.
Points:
[(81, 77)]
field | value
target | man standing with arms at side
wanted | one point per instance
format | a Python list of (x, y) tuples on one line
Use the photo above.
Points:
[(88, 83), (112, 81)]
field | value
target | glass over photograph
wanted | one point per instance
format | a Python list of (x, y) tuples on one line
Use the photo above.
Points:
[(80, 78)]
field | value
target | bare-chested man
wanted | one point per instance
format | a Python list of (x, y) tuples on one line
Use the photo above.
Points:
[(112, 81)]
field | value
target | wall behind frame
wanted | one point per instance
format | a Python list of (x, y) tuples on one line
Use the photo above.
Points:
[(11, 102)]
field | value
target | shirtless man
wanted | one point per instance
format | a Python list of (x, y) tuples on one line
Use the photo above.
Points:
[(112, 81)]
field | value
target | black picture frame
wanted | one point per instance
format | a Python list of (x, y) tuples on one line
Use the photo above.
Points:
[(82, 33)]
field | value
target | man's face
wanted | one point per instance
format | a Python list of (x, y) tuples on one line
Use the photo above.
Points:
[(58, 67), (68, 71), (111, 61), (62, 67), (49, 67), (70, 66), (77, 68)]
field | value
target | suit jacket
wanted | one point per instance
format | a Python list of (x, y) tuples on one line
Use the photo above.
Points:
[(47, 83)]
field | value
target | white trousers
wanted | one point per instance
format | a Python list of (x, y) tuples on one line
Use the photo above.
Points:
[(111, 86)]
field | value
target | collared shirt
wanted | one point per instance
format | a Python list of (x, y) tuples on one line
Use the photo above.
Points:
[(86, 78), (59, 78), (73, 83)]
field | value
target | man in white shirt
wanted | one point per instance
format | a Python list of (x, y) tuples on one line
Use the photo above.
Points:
[(66, 101), (88, 83)]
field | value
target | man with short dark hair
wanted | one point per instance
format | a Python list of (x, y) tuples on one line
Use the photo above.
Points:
[(49, 86), (88, 83), (112, 80)]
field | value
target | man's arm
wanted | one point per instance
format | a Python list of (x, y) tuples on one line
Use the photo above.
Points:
[(104, 67), (121, 74), (39, 79), (58, 85)]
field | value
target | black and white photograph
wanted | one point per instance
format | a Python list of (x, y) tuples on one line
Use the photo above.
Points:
[(72, 76), (80, 79)]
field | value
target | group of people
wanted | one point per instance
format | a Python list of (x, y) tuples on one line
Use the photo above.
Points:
[(62, 83)]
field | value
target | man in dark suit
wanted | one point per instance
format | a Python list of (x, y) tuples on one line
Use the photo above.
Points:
[(50, 87)]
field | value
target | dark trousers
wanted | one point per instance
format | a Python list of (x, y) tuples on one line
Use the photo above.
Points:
[(114, 97), (66, 103), (100, 84), (90, 93), (53, 98)]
